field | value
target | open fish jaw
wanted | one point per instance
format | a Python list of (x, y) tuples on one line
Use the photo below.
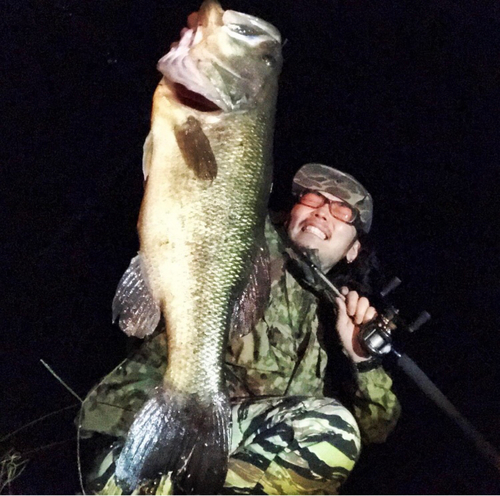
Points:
[(227, 59)]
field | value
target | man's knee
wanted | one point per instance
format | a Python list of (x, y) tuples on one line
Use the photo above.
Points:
[(328, 429), (300, 445)]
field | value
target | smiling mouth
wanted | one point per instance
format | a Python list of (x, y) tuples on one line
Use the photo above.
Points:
[(315, 231)]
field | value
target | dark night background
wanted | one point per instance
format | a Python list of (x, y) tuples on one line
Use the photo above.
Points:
[(404, 95)]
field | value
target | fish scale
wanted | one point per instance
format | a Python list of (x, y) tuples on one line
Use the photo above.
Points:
[(201, 232), (224, 264)]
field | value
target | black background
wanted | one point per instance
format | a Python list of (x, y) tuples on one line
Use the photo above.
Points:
[(404, 95)]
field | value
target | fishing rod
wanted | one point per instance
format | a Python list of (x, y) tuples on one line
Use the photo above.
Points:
[(376, 339)]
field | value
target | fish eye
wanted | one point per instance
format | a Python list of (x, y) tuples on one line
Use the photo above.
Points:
[(269, 59)]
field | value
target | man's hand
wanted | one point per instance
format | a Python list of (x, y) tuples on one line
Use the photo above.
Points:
[(352, 313)]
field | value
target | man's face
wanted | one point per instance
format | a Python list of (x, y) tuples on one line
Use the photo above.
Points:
[(316, 228)]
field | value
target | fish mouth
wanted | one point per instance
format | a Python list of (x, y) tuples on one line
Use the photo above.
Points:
[(189, 86), (192, 99), (222, 60)]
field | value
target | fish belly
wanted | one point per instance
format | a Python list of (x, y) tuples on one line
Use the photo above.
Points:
[(197, 237), (197, 240)]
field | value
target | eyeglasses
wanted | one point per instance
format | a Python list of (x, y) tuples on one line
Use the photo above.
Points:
[(339, 209)]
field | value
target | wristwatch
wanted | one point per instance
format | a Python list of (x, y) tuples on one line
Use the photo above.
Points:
[(372, 363)]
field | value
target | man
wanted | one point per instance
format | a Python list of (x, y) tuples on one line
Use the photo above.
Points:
[(287, 436)]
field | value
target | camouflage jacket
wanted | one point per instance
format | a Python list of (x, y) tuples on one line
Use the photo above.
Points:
[(282, 355)]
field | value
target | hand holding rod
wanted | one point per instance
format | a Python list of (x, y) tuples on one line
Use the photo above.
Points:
[(376, 338)]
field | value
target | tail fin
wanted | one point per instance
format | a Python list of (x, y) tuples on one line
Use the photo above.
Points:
[(178, 433)]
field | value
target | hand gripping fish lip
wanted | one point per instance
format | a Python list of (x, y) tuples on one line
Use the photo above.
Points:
[(211, 60), (190, 86)]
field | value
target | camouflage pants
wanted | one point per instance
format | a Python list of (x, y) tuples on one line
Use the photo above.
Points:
[(285, 445)]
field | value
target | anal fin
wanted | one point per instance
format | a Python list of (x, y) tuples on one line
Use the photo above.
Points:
[(137, 309)]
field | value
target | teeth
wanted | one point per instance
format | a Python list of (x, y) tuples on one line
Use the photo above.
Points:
[(314, 230)]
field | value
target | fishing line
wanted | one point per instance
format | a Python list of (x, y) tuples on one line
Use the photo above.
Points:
[(79, 427), (78, 457), (61, 381), (33, 422), (78, 449)]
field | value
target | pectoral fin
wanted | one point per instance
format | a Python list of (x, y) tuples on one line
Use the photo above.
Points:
[(134, 304), (196, 149)]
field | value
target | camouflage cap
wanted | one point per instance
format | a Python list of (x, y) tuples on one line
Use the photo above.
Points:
[(320, 177)]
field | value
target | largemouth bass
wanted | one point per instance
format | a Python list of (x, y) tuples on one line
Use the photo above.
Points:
[(207, 166)]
